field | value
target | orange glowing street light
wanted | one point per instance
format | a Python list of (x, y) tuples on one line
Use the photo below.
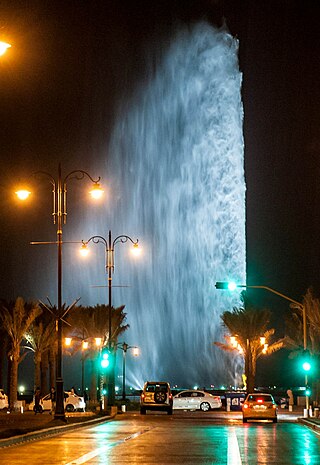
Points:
[(4, 47)]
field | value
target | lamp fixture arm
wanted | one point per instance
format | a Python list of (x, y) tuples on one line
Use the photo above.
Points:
[(96, 240), (123, 238), (299, 304), (79, 174)]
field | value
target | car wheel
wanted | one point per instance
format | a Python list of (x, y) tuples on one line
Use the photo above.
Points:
[(205, 406), (142, 411), (70, 408), (160, 397)]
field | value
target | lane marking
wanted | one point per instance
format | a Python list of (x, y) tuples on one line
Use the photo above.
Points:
[(234, 457), (90, 455)]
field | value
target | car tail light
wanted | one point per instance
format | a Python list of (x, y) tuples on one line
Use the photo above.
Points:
[(142, 396), (217, 398), (274, 406), (170, 396), (260, 401), (245, 406)]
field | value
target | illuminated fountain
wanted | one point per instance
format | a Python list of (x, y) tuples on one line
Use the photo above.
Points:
[(176, 171)]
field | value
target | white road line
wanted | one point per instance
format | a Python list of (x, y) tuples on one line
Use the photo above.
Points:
[(90, 455), (234, 457)]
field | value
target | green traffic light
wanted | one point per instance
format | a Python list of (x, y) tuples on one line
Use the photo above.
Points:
[(105, 359), (105, 363), (232, 286), (306, 366), (226, 285)]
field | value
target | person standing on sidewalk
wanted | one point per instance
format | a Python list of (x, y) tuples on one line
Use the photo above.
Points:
[(291, 399), (37, 397), (53, 400)]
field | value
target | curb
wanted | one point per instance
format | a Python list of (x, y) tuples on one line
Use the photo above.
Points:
[(309, 423), (39, 434)]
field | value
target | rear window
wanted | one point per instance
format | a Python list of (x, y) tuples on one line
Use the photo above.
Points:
[(264, 397), (156, 387)]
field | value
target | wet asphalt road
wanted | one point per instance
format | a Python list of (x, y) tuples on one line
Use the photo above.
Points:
[(187, 438)]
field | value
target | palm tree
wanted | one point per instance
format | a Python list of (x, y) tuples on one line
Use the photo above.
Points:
[(249, 325), (17, 318), (40, 338), (294, 340), (92, 322), (294, 328), (50, 316), (3, 354)]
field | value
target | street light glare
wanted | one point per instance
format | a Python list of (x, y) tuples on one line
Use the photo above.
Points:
[(84, 250), (4, 47), (22, 194), (68, 341), (136, 351), (136, 250), (232, 286), (96, 191), (306, 366)]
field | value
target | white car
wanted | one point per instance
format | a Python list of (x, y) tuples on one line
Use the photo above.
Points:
[(72, 402), (196, 400), (3, 400)]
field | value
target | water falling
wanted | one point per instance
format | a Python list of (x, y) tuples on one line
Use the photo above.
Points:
[(176, 164)]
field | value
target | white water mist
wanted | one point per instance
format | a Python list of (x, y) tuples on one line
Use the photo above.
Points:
[(176, 161)]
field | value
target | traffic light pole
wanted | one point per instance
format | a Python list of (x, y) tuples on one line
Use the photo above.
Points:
[(232, 286)]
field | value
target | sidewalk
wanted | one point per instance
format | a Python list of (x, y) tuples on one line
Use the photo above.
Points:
[(20, 427), (311, 422)]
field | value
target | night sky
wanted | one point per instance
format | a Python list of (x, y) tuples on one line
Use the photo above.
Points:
[(69, 63)]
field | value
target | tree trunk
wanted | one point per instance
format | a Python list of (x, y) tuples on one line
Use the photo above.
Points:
[(8, 375), (3, 361), (52, 368), (44, 374), (94, 383), (37, 370), (250, 370), (13, 397)]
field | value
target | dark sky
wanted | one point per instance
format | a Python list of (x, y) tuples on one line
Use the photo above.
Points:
[(69, 57)]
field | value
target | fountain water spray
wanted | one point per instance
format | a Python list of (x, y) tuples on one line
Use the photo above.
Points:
[(176, 165)]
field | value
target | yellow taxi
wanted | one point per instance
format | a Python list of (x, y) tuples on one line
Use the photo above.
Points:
[(259, 406)]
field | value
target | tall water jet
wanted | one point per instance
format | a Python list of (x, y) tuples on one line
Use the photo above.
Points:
[(176, 165)]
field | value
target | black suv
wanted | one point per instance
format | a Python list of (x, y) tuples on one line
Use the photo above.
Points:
[(156, 395)]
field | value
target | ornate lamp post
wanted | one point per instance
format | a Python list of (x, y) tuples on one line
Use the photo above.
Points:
[(59, 215), (109, 245)]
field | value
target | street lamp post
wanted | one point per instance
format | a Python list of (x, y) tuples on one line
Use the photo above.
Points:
[(59, 214), (124, 347), (232, 286), (109, 251)]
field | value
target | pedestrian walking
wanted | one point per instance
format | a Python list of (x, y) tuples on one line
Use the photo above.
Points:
[(53, 400)]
